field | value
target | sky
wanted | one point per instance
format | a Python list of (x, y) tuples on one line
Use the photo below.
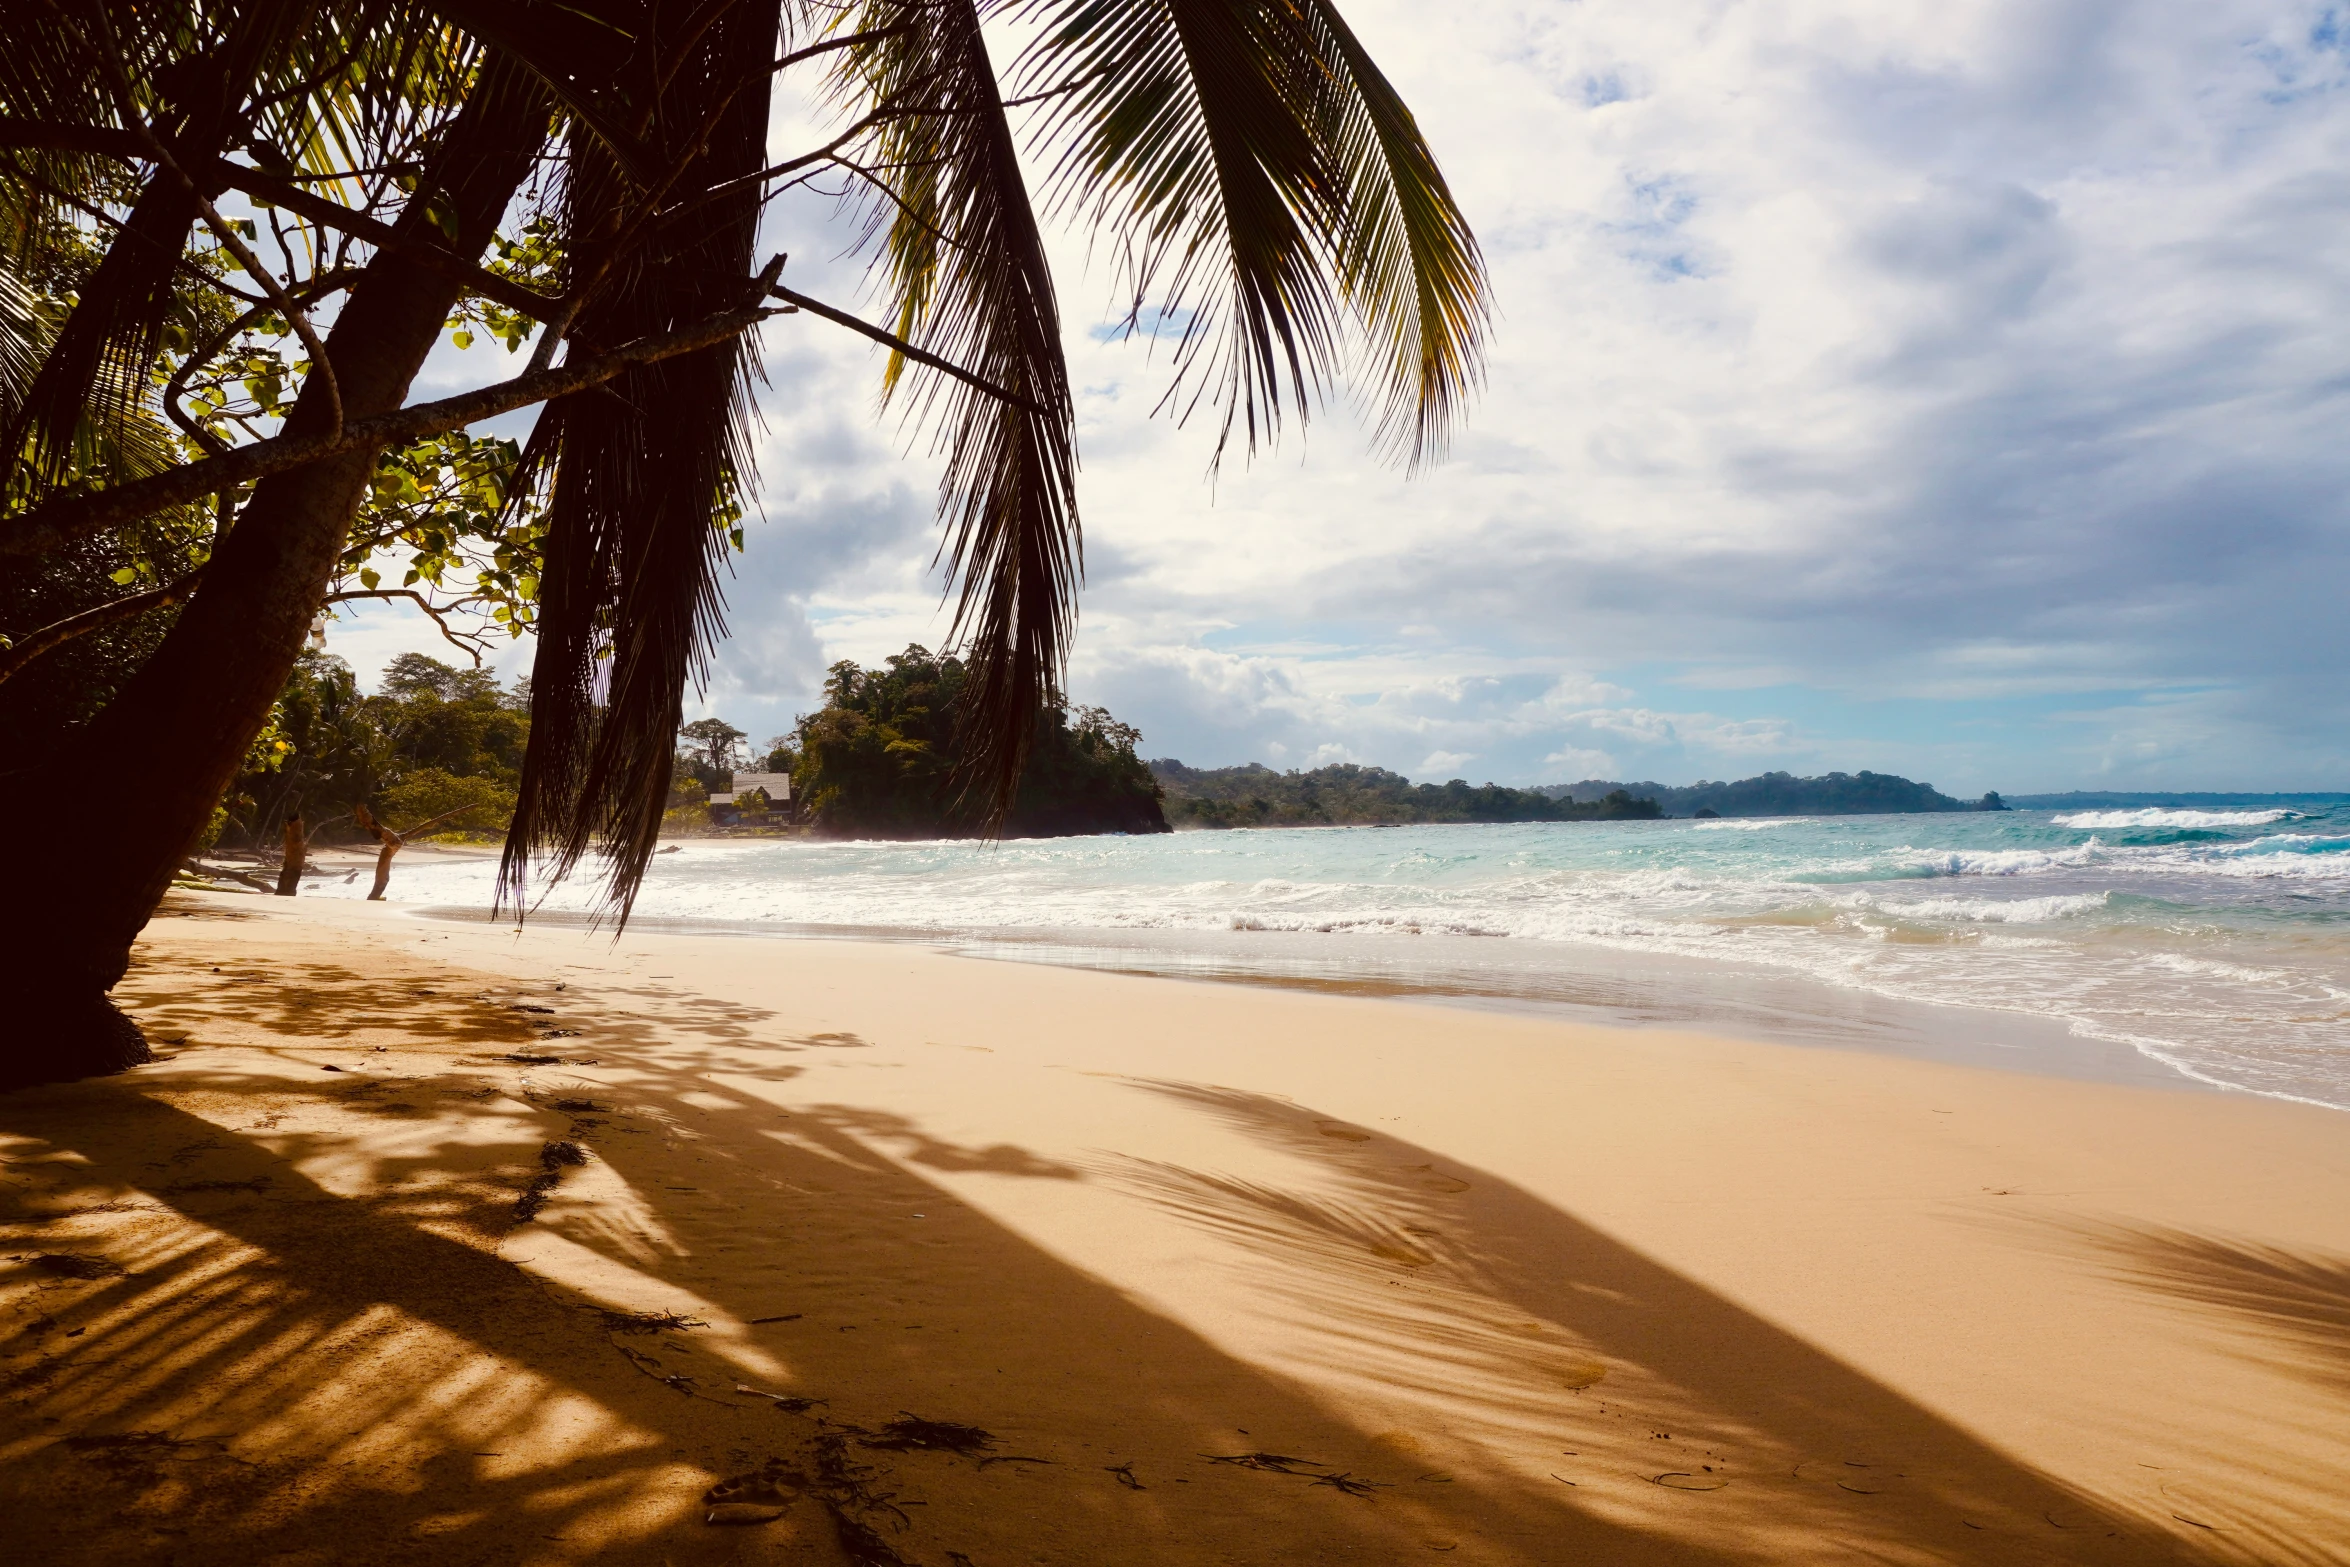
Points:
[(1951, 390)]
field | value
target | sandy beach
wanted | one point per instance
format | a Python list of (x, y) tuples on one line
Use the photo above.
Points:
[(878, 1255)]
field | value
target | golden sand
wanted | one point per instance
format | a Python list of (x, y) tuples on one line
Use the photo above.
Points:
[(878, 1255)]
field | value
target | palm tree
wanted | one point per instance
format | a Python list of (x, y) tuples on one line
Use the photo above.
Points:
[(595, 170)]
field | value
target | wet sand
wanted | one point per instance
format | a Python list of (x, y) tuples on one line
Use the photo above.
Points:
[(946, 1261)]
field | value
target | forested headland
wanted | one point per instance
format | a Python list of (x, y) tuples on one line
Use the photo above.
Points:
[(887, 757), (1255, 795), (1783, 794)]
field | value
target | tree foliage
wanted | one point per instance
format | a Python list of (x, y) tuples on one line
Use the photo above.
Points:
[(715, 749), (1255, 795), (434, 739), (1783, 794), (880, 760)]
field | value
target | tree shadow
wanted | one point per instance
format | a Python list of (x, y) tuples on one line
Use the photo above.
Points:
[(302, 1343), (322, 1339), (2283, 1310), (2297, 1303), (1453, 1288)]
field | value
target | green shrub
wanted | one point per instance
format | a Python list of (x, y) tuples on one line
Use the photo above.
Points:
[(428, 793)]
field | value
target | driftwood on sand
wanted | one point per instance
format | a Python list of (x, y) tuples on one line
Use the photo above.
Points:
[(289, 875), (392, 842)]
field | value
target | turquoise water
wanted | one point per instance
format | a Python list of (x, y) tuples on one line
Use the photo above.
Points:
[(2216, 943)]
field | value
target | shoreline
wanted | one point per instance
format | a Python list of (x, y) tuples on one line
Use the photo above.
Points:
[(1591, 986), (1222, 1274), (2216, 964)]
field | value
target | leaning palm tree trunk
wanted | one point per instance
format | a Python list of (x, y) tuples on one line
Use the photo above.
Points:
[(198, 703)]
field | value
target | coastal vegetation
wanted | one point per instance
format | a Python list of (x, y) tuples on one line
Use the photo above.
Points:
[(435, 745), (1783, 794), (888, 757), (1347, 795), (231, 234)]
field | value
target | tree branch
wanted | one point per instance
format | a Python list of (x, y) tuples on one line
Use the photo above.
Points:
[(198, 357), (198, 866), (18, 654), (455, 639), (267, 187), (60, 521), (431, 822), (888, 339), (127, 106), (277, 190)]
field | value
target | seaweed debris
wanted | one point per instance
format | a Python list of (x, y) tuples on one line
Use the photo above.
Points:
[(1277, 1463), (840, 1486), (914, 1433), (1352, 1485), (258, 1183), (648, 1321), (552, 1159)]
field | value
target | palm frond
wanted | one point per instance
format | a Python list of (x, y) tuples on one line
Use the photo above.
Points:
[(1260, 175), (963, 268), (638, 472), (1189, 137), (1407, 263), (188, 82), (24, 339)]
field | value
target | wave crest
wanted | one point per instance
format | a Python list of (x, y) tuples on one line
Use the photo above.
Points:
[(2157, 816)]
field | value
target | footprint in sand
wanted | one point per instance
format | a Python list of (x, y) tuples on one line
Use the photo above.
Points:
[(1579, 1374), (1435, 1181), (1401, 1256), (1853, 1475)]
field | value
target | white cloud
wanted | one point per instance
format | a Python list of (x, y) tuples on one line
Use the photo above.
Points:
[(1900, 375), (1572, 764)]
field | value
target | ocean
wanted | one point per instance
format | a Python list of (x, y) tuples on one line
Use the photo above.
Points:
[(2203, 947)]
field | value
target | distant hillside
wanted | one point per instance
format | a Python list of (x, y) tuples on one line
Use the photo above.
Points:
[(2107, 799), (1346, 795), (1783, 794)]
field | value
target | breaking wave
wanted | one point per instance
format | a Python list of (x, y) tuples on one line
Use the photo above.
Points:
[(2226, 957), (2160, 817)]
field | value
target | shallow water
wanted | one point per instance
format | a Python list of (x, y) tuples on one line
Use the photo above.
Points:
[(2215, 943)]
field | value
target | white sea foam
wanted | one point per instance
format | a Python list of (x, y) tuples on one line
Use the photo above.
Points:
[(1997, 862), (2229, 960), (2160, 817), (1993, 911)]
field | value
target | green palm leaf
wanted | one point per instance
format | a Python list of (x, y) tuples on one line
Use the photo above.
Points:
[(964, 272), (1407, 263), (1190, 137), (1258, 173)]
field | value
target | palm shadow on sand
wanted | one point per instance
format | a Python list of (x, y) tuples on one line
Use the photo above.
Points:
[(252, 1292)]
